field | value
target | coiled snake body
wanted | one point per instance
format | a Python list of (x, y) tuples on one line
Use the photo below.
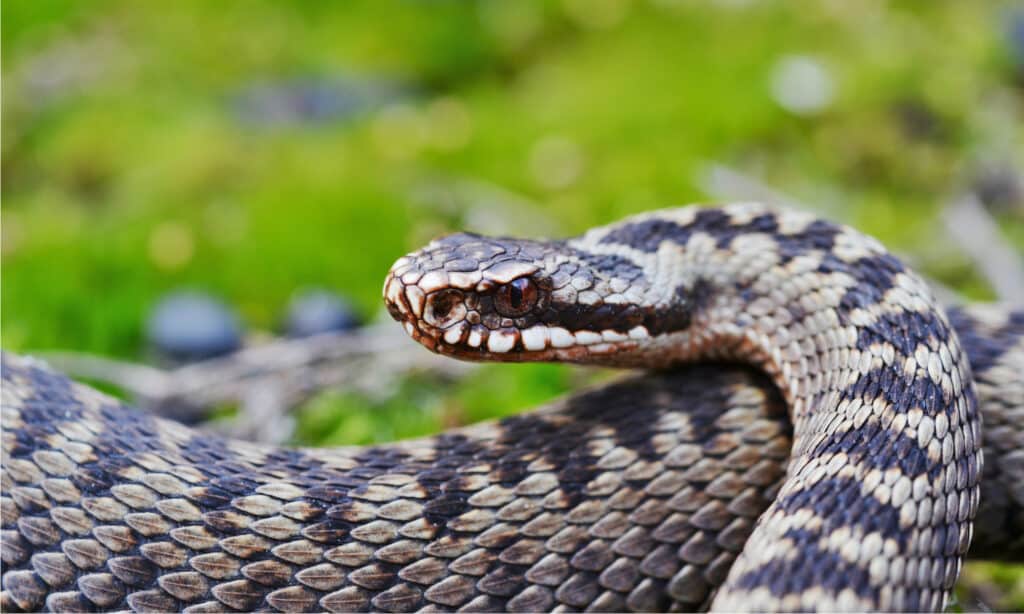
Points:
[(842, 474)]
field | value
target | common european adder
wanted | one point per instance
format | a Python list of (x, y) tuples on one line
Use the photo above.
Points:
[(811, 439)]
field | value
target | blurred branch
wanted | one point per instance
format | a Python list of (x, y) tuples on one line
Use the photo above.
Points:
[(483, 206), (970, 224), (723, 182), (267, 380)]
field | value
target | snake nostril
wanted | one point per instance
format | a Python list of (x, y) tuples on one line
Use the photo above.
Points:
[(444, 308)]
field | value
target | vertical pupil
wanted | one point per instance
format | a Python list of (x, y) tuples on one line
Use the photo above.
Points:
[(515, 296)]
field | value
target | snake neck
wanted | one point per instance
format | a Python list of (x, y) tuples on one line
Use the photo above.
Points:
[(822, 308), (885, 462), (880, 394)]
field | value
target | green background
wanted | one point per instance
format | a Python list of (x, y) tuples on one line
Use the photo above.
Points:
[(141, 154)]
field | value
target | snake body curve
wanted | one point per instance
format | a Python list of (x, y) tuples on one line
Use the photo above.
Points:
[(642, 495)]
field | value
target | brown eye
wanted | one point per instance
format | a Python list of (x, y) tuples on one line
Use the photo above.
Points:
[(516, 298)]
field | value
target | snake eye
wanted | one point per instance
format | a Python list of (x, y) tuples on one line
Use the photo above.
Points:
[(516, 298)]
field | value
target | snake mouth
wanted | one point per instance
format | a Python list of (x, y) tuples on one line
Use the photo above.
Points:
[(451, 321)]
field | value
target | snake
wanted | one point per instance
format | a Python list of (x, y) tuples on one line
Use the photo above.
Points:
[(806, 436)]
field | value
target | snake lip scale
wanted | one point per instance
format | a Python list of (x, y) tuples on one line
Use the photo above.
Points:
[(838, 469)]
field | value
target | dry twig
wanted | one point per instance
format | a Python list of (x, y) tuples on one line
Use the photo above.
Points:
[(267, 380)]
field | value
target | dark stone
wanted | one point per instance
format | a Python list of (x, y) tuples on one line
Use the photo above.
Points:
[(319, 311), (190, 325)]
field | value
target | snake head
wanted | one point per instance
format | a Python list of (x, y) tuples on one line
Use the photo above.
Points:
[(506, 299)]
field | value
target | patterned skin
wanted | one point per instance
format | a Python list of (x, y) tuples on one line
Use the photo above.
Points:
[(994, 338), (882, 487), (578, 505)]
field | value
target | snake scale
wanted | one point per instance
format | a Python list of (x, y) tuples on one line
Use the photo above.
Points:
[(823, 453)]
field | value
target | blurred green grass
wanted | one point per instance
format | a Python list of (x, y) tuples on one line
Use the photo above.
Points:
[(131, 165)]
